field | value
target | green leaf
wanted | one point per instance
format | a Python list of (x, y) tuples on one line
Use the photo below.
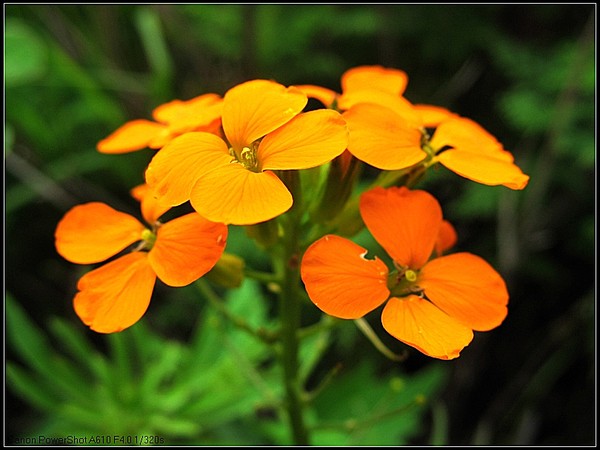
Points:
[(361, 408), (248, 301), (25, 54), (175, 426), (26, 338), (73, 341), (149, 27), (23, 384), (160, 371)]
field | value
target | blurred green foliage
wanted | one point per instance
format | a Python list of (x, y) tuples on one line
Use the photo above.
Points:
[(216, 388), (74, 73)]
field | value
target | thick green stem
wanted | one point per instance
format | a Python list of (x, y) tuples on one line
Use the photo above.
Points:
[(290, 313), (290, 322)]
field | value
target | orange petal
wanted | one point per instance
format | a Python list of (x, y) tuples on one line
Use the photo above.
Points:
[(380, 78), (308, 140), (446, 237), (405, 223), (382, 139), (116, 295), (151, 208), (183, 116), (255, 108), (186, 248), (489, 169), (433, 115), (405, 110), (467, 288), (464, 134), (324, 95), (476, 154), (177, 110), (234, 195), (162, 139), (421, 325), (132, 136), (214, 128), (176, 167), (340, 280), (93, 232)]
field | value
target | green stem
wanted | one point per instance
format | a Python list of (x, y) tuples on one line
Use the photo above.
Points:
[(263, 277), (366, 329), (310, 396), (210, 295), (352, 425), (288, 264)]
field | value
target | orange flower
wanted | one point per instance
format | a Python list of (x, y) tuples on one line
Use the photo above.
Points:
[(117, 294), (371, 128), (358, 79), (389, 133), (393, 137), (172, 119), (232, 180), (432, 305)]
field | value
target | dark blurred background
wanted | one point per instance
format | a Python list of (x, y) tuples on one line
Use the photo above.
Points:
[(526, 73)]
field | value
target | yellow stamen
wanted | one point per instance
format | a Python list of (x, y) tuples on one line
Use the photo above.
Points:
[(247, 158), (411, 275), (149, 238)]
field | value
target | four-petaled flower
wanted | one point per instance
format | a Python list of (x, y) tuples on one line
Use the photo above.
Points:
[(432, 305), (233, 180), (117, 294)]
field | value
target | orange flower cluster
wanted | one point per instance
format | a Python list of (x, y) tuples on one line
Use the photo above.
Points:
[(390, 133), (227, 157)]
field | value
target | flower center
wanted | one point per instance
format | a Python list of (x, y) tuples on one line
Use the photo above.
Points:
[(402, 283), (148, 239), (410, 275), (247, 158)]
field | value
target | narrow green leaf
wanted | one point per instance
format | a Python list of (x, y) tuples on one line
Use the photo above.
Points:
[(149, 27), (26, 338), (162, 370), (75, 343), (29, 388), (175, 426)]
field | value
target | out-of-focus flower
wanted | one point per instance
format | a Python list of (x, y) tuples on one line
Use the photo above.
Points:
[(202, 113)]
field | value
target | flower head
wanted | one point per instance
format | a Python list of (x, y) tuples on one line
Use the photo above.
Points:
[(388, 132), (117, 294), (202, 113), (232, 180), (432, 305)]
